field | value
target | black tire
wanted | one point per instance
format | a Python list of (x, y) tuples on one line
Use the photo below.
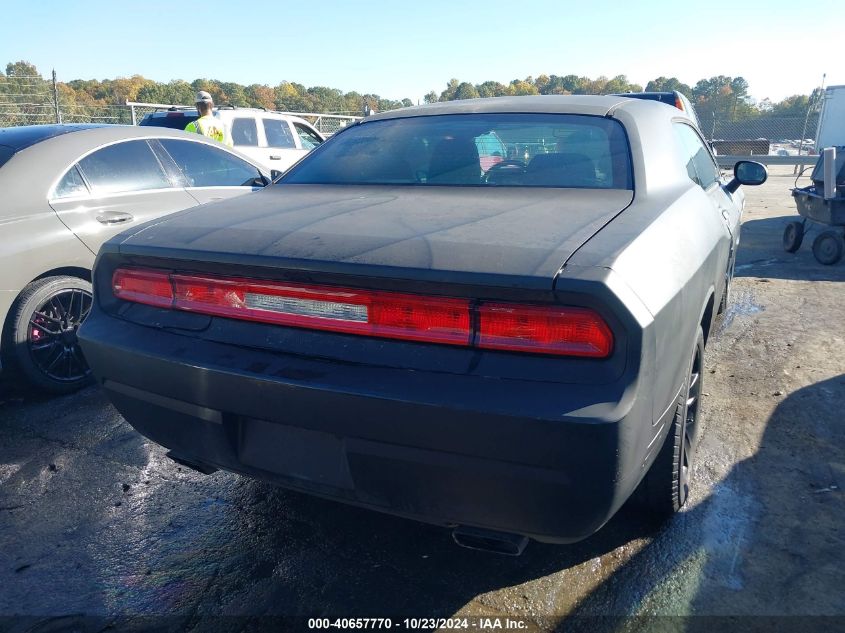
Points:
[(39, 341), (793, 235), (828, 247), (665, 488)]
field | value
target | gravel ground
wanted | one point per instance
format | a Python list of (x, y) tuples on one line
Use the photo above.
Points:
[(95, 521)]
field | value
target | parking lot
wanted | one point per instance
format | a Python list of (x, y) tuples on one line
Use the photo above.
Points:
[(96, 521)]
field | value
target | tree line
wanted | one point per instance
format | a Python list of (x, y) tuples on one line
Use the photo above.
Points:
[(722, 98)]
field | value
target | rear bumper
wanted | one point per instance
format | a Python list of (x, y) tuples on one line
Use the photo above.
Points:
[(547, 460)]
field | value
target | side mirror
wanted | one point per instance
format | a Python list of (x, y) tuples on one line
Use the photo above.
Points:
[(275, 175), (747, 172)]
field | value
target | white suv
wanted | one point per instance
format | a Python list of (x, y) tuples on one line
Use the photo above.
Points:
[(274, 140)]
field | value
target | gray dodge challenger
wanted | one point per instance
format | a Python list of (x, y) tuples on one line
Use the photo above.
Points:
[(488, 314)]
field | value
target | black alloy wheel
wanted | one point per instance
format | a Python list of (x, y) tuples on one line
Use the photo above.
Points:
[(53, 344), (690, 431), (42, 342), (666, 486)]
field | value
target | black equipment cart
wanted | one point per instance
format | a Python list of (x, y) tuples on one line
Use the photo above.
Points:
[(829, 245)]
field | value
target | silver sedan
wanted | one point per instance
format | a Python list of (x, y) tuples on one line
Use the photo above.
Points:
[(66, 190)]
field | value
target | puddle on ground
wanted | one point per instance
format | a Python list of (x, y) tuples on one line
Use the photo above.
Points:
[(758, 263), (743, 304)]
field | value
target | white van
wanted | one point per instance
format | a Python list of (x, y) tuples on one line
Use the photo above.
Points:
[(274, 140)]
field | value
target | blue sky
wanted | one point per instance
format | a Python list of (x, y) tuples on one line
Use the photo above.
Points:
[(398, 49)]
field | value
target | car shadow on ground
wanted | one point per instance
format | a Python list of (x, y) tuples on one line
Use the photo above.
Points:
[(761, 253), (733, 539)]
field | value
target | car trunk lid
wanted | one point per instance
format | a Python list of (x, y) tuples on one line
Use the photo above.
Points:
[(496, 236)]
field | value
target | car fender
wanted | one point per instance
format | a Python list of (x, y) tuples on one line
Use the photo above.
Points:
[(34, 244)]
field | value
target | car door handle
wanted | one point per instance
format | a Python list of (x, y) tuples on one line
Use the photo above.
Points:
[(114, 217), (272, 157)]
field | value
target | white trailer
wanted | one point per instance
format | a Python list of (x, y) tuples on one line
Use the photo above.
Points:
[(831, 129)]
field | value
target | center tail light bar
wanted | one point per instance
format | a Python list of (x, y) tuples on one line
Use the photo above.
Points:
[(516, 327)]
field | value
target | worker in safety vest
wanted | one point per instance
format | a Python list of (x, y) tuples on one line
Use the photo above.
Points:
[(208, 125)]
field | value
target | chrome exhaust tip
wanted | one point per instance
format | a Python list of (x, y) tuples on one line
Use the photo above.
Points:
[(489, 540)]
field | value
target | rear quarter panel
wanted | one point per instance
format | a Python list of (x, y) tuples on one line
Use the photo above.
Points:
[(673, 267), (670, 247), (33, 240)]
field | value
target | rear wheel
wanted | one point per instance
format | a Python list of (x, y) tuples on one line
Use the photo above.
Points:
[(828, 247), (41, 338), (665, 488), (793, 235)]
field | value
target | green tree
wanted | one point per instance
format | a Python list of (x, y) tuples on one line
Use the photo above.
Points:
[(451, 89), (21, 69), (662, 84), (520, 87), (466, 91), (492, 89)]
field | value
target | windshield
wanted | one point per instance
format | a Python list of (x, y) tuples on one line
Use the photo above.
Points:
[(520, 150)]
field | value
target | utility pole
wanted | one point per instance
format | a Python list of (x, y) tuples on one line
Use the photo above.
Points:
[(56, 98)]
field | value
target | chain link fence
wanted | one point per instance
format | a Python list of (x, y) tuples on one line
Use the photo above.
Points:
[(27, 101), (34, 100), (763, 135), (326, 124)]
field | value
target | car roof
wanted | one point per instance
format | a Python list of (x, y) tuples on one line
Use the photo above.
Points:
[(24, 136), (36, 167), (596, 105)]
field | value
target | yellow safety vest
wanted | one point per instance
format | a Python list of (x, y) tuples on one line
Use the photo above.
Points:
[(211, 127)]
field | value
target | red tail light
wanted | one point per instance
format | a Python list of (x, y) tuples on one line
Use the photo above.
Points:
[(389, 315), (539, 329), (544, 330), (143, 286)]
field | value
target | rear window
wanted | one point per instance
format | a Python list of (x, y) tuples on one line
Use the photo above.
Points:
[(518, 150)]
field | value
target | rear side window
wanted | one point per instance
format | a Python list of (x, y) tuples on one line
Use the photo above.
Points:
[(128, 166), (307, 137), (697, 160), (517, 150), (71, 184), (278, 133), (244, 132), (207, 166)]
